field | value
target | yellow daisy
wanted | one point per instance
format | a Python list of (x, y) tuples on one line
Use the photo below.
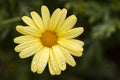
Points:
[(50, 39)]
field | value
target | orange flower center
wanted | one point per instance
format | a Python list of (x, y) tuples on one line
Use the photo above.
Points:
[(49, 38)]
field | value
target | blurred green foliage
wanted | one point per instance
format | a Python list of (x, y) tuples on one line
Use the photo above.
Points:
[(101, 21)]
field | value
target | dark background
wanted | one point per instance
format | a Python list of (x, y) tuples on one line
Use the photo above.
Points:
[(101, 56)]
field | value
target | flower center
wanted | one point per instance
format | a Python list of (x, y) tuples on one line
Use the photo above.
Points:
[(49, 38)]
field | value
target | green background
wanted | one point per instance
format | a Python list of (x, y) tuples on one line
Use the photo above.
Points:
[(101, 56)]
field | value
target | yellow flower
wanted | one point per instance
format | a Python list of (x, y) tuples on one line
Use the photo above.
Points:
[(50, 40)]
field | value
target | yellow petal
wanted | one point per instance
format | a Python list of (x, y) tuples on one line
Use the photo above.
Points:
[(28, 21), (20, 29), (71, 45), (32, 31), (78, 54), (69, 59), (72, 33), (78, 42), (34, 63), (43, 59), (37, 20), (81, 48), (29, 30), (51, 70), (53, 64), (22, 39), (62, 18), (59, 57), (68, 23), (24, 45), (54, 19), (45, 15), (27, 52)]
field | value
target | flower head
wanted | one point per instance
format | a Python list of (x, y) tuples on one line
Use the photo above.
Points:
[(50, 39)]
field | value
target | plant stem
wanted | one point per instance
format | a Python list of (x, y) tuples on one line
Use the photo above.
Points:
[(10, 20)]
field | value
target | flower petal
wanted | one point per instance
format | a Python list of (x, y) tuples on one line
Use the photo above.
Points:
[(22, 39), (20, 29), (34, 63), (71, 44), (45, 15), (78, 54), (59, 57), (53, 65), (27, 44), (78, 42), (29, 31), (28, 21), (62, 18), (54, 19), (72, 33), (68, 23), (43, 59), (69, 59), (37, 20), (50, 68), (27, 52), (32, 31)]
